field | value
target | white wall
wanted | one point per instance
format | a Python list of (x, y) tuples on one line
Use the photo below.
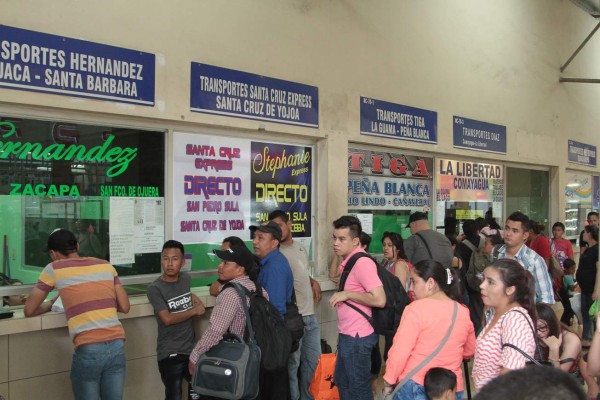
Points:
[(496, 61)]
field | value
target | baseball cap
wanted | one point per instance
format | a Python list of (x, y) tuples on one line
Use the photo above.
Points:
[(268, 227), (238, 254), (61, 240), (416, 216)]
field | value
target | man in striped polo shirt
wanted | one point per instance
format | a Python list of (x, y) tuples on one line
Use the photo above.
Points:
[(91, 294)]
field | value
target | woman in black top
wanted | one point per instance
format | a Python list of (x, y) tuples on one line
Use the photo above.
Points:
[(586, 277)]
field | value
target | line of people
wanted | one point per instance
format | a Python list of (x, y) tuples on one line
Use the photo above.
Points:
[(437, 329)]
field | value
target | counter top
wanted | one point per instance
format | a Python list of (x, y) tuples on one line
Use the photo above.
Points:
[(140, 307)]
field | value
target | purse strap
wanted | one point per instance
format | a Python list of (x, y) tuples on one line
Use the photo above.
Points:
[(242, 292), (425, 243), (527, 356), (432, 355), (535, 338)]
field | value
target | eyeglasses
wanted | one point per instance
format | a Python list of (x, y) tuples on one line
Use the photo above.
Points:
[(542, 328)]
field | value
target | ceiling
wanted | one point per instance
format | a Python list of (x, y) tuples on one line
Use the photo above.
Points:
[(591, 7)]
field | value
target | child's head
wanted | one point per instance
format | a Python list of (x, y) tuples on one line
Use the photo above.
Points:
[(491, 241), (440, 384), (569, 265)]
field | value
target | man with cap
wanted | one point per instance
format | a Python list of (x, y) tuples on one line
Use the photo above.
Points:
[(275, 272), (276, 277), (425, 243), (91, 294), (175, 307), (237, 266)]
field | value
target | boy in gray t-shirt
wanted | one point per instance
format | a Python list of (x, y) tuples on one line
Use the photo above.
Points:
[(174, 307)]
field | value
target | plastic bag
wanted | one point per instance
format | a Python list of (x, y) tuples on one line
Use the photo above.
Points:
[(322, 386), (576, 305), (594, 310)]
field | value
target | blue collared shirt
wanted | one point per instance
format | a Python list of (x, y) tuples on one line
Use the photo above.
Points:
[(534, 263), (277, 279)]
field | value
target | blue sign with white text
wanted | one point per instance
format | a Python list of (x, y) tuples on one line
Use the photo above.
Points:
[(582, 153), (223, 91), (48, 63), (478, 135), (382, 118)]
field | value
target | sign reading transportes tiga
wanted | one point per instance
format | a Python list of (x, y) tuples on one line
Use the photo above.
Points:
[(222, 91), (48, 63), (382, 118), (582, 153), (478, 135)]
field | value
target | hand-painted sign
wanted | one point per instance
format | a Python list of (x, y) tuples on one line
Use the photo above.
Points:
[(478, 135), (582, 153), (381, 118), (47, 63), (223, 91)]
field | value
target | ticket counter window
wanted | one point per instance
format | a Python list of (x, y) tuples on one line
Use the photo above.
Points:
[(581, 195), (528, 191), (467, 190), (100, 182)]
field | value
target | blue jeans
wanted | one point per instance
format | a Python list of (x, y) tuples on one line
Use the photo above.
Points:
[(588, 323), (413, 391), (173, 370), (98, 371), (353, 366), (306, 357)]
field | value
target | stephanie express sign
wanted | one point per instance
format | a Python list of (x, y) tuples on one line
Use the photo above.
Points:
[(54, 64)]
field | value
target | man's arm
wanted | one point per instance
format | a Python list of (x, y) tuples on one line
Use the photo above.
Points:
[(316, 289), (35, 305), (122, 299), (169, 318), (334, 272), (374, 298)]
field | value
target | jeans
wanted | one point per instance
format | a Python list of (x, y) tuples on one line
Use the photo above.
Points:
[(173, 370), (98, 371), (588, 324), (353, 366), (306, 357), (413, 391)]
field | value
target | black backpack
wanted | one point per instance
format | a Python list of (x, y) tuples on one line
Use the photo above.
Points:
[(384, 320), (273, 338)]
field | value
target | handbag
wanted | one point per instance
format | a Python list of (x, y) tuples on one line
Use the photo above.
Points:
[(230, 370), (322, 386), (294, 322), (430, 357), (576, 305), (530, 360)]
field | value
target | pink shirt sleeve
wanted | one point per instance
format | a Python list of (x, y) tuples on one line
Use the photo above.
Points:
[(469, 349), (405, 340)]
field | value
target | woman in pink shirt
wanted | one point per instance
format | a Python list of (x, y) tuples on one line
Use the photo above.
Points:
[(509, 291), (424, 324)]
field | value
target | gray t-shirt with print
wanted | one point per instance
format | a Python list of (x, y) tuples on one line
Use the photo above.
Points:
[(174, 297)]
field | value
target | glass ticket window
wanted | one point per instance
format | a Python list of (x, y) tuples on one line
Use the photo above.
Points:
[(384, 188), (581, 194), (528, 191), (104, 183), (467, 190)]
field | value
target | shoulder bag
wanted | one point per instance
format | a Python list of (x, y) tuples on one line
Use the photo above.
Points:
[(425, 361), (230, 370), (530, 360)]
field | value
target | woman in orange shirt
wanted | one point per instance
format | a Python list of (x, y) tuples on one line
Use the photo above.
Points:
[(424, 325)]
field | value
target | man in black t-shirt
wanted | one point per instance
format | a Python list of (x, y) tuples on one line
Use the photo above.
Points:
[(592, 219)]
